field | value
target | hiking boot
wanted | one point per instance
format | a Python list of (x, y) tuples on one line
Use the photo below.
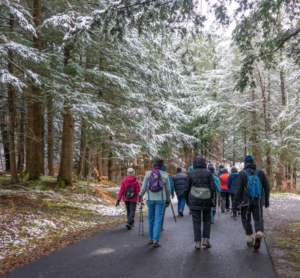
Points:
[(129, 226), (212, 222), (250, 240), (227, 210), (258, 238), (223, 210), (180, 213), (150, 241), (162, 229), (156, 243), (206, 243), (198, 245)]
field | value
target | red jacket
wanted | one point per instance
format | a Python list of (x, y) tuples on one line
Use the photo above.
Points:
[(223, 180), (129, 180)]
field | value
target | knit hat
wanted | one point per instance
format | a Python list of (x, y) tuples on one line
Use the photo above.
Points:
[(249, 159), (225, 171), (130, 172), (234, 169), (191, 168), (211, 168), (158, 161), (221, 166)]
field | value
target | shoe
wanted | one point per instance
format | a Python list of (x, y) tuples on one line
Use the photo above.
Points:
[(206, 243), (223, 210), (129, 226), (250, 240), (150, 241), (198, 245), (258, 238), (156, 243), (239, 213), (227, 210), (212, 222), (180, 213), (162, 229)]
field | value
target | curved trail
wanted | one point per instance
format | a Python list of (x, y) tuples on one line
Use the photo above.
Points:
[(121, 253)]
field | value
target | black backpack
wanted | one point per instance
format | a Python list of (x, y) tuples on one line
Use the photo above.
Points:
[(129, 194)]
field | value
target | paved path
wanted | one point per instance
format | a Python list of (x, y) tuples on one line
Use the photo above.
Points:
[(121, 253)]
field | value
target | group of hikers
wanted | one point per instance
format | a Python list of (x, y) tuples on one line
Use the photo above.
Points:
[(248, 190)]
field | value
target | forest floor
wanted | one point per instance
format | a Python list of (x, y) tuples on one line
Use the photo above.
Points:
[(38, 217), (282, 233)]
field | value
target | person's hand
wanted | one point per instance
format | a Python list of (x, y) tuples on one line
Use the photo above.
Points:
[(267, 203), (173, 196), (167, 204), (117, 203), (140, 199), (213, 203)]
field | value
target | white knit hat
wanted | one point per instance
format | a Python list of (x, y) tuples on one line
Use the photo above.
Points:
[(130, 172)]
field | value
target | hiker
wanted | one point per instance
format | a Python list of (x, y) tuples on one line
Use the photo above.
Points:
[(179, 184), (157, 185), (211, 168), (191, 168), (172, 195), (220, 172), (231, 183), (224, 190), (253, 190), (200, 193), (129, 191)]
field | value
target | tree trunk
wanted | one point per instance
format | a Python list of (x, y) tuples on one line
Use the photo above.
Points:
[(50, 141), (5, 141), (99, 161), (110, 162), (21, 142), (256, 153), (81, 171)]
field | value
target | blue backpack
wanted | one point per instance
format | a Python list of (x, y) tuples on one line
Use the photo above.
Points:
[(254, 185)]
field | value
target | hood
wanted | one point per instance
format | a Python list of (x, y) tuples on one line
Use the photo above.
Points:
[(130, 179), (250, 166), (199, 162)]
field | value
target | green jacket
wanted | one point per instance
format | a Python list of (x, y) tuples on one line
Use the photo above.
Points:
[(162, 195)]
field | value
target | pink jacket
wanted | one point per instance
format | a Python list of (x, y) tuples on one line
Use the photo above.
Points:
[(129, 180)]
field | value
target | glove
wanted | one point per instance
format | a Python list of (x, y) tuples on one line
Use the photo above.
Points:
[(267, 203), (236, 207), (117, 203), (173, 196), (167, 204), (213, 202)]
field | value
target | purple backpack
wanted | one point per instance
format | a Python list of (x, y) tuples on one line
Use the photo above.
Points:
[(153, 181)]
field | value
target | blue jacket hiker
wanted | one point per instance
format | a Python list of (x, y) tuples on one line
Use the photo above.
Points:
[(211, 168), (232, 182), (179, 184), (156, 186)]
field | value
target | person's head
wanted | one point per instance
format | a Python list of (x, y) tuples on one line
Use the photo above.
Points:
[(211, 168), (199, 162), (248, 159), (130, 172), (158, 161), (234, 169), (221, 167), (179, 170), (225, 171)]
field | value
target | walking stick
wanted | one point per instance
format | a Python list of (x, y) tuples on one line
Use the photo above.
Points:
[(173, 212), (141, 223)]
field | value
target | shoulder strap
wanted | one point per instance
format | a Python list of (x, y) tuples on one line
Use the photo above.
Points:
[(256, 172), (247, 173)]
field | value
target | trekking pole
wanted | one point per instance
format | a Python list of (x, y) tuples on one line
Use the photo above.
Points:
[(173, 212), (141, 223)]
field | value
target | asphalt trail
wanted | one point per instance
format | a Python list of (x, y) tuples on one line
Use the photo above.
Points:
[(121, 253)]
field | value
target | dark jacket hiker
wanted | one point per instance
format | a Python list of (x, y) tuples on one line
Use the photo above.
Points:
[(200, 193), (179, 184), (253, 207)]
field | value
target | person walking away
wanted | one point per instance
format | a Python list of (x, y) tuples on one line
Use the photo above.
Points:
[(200, 193), (231, 183), (156, 186), (191, 168), (129, 191), (172, 194), (211, 168), (224, 190), (179, 184), (253, 190), (220, 172)]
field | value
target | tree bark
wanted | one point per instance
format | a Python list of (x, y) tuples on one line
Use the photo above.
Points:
[(99, 161), (21, 142), (110, 163), (5, 141), (81, 171), (50, 139)]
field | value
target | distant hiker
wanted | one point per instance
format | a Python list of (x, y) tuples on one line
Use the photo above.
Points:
[(179, 184), (220, 172), (200, 193), (224, 190), (157, 185), (253, 190), (211, 168), (129, 191), (172, 194), (231, 182)]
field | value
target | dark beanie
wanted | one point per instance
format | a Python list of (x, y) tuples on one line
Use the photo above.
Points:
[(249, 159), (221, 166), (211, 168), (158, 161), (179, 170), (225, 170)]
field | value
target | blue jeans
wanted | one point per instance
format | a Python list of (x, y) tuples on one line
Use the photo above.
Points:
[(156, 211), (181, 203)]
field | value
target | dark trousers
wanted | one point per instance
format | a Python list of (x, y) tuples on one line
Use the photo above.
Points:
[(225, 200), (232, 199), (197, 223), (130, 207), (257, 214)]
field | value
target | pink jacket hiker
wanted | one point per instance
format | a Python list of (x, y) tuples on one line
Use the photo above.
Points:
[(129, 180)]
